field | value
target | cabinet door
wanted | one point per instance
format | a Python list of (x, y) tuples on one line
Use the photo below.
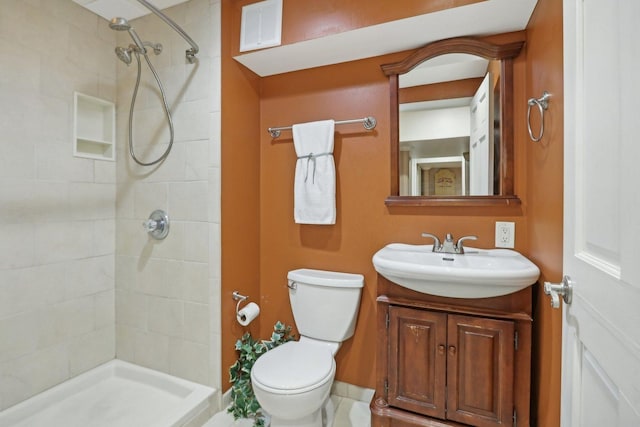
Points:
[(480, 371), (417, 360)]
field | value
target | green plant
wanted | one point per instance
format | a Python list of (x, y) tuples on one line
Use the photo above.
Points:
[(243, 402)]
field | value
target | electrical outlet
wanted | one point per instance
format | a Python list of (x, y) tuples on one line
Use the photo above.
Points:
[(505, 234)]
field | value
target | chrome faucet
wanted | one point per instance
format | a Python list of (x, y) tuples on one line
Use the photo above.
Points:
[(448, 246)]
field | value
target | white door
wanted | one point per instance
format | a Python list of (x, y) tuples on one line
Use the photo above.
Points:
[(601, 326), (481, 140)]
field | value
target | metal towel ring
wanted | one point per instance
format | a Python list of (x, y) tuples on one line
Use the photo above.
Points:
[(543, 104)]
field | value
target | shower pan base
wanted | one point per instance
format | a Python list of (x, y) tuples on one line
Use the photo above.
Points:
[(116, 394)]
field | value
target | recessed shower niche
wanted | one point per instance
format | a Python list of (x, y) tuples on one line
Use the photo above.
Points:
[(94, 127)]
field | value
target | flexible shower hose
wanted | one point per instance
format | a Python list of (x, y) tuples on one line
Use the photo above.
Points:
[(166, 110)]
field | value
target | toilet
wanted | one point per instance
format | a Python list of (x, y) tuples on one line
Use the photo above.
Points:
[(293, 381)]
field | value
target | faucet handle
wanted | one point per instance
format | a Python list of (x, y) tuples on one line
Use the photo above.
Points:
[(150, 225), (459, 244), (436, 241)]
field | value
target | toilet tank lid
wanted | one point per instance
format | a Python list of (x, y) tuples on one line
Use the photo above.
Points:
[(326, 278)]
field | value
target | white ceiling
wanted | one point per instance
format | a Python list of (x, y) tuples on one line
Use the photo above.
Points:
[(129, 9), (483, 18), (435, 105), (445, 68)]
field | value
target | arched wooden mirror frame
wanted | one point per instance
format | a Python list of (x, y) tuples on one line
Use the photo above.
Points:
[(474, 46)]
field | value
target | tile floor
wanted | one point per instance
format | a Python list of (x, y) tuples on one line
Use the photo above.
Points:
[(348, 413)]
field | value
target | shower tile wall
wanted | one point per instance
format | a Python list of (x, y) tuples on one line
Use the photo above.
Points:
[(167, 292), (79, 280), (57, 212)]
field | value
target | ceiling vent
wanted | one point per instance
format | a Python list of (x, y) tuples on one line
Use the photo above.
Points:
[(261, 25)]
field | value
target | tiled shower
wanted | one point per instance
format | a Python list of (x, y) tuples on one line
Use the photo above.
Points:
[(80, 280)]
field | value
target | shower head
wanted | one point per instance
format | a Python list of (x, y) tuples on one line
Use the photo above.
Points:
[(121, 24), (124, 54)]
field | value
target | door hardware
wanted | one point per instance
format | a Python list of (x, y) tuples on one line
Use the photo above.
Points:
[(554, 290)]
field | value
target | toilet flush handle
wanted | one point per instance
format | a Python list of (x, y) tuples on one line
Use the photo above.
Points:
[(292, 285)]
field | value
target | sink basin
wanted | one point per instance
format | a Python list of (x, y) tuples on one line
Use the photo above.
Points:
[(479, 273)]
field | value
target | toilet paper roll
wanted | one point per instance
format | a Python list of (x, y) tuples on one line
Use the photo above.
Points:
[(248, 313)]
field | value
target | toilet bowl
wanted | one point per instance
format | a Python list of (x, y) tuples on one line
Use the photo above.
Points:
[(296, 377), (292, 382)]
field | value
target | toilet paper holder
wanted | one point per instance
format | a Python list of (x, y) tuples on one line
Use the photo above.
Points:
[(240, 298)]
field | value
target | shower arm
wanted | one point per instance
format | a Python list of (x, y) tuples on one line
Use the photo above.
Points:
[(190, 53)]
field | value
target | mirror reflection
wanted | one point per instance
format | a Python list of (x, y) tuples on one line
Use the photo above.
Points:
[(454, 172), (449, 127)]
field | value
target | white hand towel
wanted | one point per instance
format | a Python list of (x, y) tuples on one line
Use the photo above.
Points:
[(315, 176)]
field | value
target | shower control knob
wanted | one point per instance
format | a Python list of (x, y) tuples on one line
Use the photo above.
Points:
[(157, 225), (150, 225)]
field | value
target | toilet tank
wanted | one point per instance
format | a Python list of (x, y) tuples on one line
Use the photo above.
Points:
[(325, 304)]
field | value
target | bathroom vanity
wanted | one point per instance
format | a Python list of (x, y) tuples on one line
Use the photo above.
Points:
[(444, 361)]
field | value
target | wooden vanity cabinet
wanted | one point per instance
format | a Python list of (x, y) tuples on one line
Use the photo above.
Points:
[(452, 362), (417, 360), (480, 371)]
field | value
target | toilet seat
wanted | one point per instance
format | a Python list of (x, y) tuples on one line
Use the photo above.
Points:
[(294, 367)]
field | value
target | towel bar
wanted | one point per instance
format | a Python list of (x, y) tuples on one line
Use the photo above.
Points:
[(368, 123)]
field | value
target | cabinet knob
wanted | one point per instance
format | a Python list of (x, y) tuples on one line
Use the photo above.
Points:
[(452, 350), (441, 349)]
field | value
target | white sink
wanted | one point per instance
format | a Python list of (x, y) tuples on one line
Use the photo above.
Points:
[(479, 273)]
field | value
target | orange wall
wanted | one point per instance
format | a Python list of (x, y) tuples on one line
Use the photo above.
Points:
[(364, 223), (255, 258), (310, 19), (544, 200), (240, 159)]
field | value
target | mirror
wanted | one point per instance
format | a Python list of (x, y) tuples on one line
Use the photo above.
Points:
[(449, 127), (452, 124)]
